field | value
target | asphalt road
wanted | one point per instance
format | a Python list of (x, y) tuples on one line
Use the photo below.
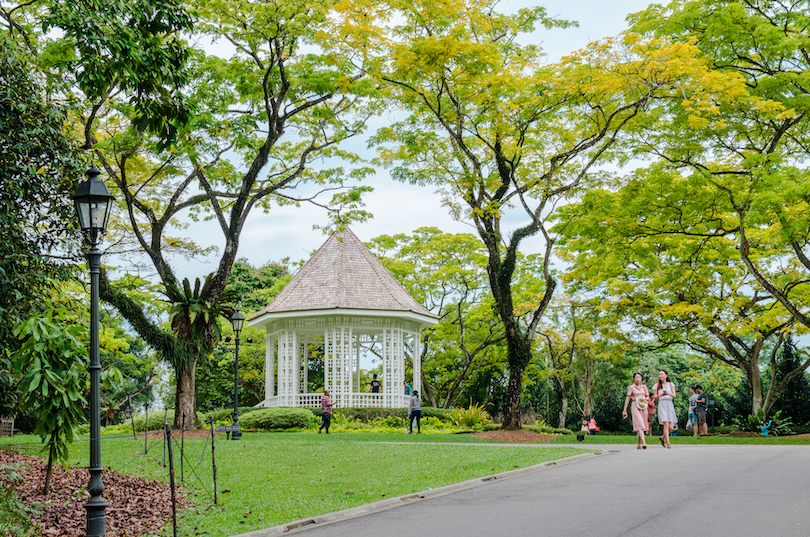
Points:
[(715, 491)]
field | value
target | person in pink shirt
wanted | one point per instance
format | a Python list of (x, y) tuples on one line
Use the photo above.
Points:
[(640, 397), (326, 412)]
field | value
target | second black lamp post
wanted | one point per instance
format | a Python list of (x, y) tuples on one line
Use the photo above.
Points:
[(237, 322)]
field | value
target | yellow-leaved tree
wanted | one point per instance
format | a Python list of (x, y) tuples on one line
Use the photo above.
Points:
[(506, 138)]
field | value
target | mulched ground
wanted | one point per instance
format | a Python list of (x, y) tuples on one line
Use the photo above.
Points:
[(521, 436), (135, 506)]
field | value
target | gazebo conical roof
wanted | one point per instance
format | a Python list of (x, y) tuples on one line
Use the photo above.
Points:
[(344, 275)]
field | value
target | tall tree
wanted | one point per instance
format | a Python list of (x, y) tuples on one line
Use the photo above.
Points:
[(751, 161), (446, 273), (207, 138), (711, 237), (505, 138), (670, 287)]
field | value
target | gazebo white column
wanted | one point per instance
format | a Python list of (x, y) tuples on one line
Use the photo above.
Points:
[(417, 363), (287, 367), (269, 366)]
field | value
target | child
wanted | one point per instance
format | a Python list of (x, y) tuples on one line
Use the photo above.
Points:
[(591, 424)]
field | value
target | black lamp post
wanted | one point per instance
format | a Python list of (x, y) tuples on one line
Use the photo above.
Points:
[(93, 201), (237, 322)]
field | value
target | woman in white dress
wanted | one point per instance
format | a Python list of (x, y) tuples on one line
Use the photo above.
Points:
[(664, 392)]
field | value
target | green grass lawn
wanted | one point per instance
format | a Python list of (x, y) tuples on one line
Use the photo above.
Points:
[(267, 479)]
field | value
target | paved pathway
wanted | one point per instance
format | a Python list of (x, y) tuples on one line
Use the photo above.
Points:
[(716, 491)]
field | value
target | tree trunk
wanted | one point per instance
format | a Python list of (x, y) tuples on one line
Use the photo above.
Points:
[(587, 388), (186, 398), (563, 410), (427, 391), (511, 417), (756, 388), (48, 474)]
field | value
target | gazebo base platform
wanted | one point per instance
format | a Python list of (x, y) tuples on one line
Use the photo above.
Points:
[(345, 400)]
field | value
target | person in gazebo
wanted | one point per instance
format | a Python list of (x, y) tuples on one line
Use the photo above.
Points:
[(375, 384)]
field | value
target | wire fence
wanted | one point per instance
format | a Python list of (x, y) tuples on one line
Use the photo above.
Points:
[(199, 462)]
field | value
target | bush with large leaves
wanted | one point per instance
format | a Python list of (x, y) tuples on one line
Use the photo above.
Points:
[(51, 363)]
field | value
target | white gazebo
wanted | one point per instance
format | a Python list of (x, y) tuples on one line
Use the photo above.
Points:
[(345, 301)]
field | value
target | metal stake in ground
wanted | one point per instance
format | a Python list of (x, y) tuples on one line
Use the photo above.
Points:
[(168, 437), (131, 416), (213, 459), (146, 431), (182, 446), (165, 424)]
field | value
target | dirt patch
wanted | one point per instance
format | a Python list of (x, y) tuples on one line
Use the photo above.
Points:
[(135, 506), (193, 433), (514, 436)]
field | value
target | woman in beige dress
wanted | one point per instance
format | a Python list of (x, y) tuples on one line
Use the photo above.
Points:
[(638, 393)]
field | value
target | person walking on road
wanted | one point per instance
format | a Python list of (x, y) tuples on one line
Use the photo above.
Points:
[(326, 412), (664, 391), (415, 412), (638, 393)]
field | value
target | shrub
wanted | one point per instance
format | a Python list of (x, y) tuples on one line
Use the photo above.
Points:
[(225, 414), (367, 415), (475, 416), (442, 414), (779, 426), (278, 418), (389, 421), (155, 423)]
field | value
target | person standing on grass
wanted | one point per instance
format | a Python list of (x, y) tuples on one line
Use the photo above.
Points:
[(664, 391), (701, 407), (326, 412), (591, 423), (638, 393), (692, 416), (415, 412)]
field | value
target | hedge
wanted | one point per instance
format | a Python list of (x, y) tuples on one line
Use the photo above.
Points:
[(278, 418), (369, 414)]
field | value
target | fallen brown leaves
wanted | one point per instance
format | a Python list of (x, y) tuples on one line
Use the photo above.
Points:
[(514, 436), (136, 506)]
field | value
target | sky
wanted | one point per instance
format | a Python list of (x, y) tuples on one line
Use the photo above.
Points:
[(397, 207)]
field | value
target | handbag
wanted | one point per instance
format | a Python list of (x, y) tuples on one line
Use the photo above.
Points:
[(641, 404)]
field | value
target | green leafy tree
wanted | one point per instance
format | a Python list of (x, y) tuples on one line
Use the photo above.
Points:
[(446, 273), (51, 363), (794, 399), (745, 171), (38, 167), (255, 287), (243, 106), (706, 245), (506, 138)]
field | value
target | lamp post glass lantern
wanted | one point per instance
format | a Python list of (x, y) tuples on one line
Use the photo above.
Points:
[(93, 201), (237, 322)]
